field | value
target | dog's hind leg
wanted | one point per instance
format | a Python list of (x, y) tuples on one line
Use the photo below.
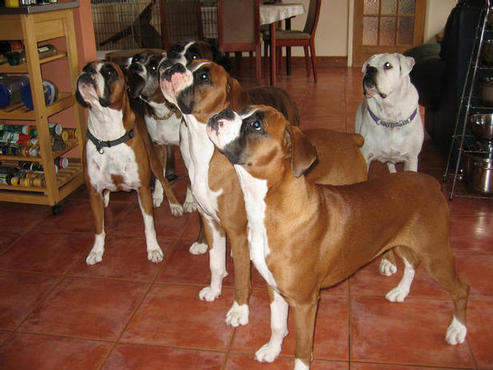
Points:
[(97, 206), (401, 291), (199, 246), (154, 252), (442, 270), (391, 167), (157, 194), (388, 266)]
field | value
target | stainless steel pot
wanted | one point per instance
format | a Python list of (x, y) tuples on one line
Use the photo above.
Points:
[(486, 92), (481, 126), (478, 173)]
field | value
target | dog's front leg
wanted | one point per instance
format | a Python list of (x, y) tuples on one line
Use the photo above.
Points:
[(279, 309), (239, 312), (216, 239), (97, 207), (154, 252), (411, 164), (304, 324)]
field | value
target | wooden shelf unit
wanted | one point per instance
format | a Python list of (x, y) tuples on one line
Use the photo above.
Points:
[(31, 29)]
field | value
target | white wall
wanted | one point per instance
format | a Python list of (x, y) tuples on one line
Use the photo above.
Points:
[(333, 32)]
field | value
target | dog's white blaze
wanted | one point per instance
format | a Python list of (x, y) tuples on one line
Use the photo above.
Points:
[(254, 191), (200, 150)]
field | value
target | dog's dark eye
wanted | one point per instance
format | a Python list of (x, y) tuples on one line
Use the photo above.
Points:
[(387, 65), (195, 56), (204, 76)]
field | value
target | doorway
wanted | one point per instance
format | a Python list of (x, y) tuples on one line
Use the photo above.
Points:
[(386, 26)]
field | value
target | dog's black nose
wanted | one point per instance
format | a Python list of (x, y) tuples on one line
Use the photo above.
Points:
[(134, 67), (371, 71), (177, 68), (213, 122)]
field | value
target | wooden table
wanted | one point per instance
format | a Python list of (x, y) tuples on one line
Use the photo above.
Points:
[(271, 14)]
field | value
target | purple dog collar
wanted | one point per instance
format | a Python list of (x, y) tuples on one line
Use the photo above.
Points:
[(404, 122)]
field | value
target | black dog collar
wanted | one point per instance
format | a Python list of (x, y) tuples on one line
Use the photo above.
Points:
[(101, 144)]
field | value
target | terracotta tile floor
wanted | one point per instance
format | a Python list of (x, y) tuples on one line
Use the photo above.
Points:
[(128, 313)]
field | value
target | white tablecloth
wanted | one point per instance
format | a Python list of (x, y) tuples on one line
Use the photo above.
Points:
[(277, 12)]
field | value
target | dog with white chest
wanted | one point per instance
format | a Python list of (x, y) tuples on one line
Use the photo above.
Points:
[(388, 116), (304, 236), (201, 89), (117, 154)]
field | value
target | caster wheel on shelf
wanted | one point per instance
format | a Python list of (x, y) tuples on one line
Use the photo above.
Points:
[(56, 210)]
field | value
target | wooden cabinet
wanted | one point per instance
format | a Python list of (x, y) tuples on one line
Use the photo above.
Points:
[(32, 29)]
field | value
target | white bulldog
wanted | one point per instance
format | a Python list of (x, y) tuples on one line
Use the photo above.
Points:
[(388, 116), (389, 120)]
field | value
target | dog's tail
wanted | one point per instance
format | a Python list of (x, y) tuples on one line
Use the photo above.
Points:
[(358, 140)]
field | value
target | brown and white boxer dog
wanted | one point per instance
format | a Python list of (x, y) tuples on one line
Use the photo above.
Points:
[(304, 237), (117, 154), (162, 118), (187, 52), (202, 89)]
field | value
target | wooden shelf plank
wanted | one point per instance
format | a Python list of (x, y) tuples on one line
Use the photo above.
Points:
[(22, 68)]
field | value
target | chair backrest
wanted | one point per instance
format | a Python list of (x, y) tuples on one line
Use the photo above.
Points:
[(312, 17), (238, 24), (180, 21)]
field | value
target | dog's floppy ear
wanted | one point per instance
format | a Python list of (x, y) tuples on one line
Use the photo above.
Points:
[(406, 63), (303, 152), (237, 95), (79, 97)]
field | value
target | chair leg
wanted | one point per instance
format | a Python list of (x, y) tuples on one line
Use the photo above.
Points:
[(266, 58), (258, 64), (307, 60), (314, 60), (279, 60)]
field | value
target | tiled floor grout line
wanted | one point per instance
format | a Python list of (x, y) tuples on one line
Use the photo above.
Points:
[(132, 315)]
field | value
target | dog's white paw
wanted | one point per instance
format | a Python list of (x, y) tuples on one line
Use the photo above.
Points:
[(456, 332), (94, 257), (176, 209), (198, 248), (209, 294), (189, 207), (237, 315), (398, 294), (155, 255), (157, 194), (268, 352), (386, 267)]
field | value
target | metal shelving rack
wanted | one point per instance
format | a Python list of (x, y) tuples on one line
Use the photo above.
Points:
[(462, 141)]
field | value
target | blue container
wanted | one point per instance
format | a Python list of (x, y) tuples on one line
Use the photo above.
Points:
[(49, 90), (10, 89)]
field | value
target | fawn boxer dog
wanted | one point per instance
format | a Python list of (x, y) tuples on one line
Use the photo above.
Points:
[(389, 120), (200, 90), (117, 154), (304, 237)]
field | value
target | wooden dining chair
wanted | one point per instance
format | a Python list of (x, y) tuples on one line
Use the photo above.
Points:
[(304, 38), (181, 20), (239, 28)]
